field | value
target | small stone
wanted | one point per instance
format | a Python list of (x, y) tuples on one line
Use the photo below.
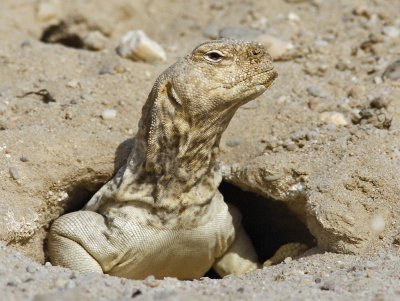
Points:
[(73, 84), (298, 135), (211, 31), (335, 118), (31, 268), (151, 281), (357, 91), (240, 33), (377, 223), (287, 259), (289, 145), (48, 264), (70, 284), (233, 142), (48, 10), (3, 108), (315, 91), (109, 114), (277, 48), (378, 80), (95, 40), (60, 283), (362, 11), (137, 46), (379, 103), (105, 70), (312, 135), (14, 173), (391, 31), (293, 17), (392, 71)]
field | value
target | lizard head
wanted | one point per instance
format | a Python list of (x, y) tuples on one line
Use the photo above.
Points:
[(223, 74)]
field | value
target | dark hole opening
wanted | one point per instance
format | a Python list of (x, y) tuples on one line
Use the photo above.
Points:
[(269, 223), (58, 34)]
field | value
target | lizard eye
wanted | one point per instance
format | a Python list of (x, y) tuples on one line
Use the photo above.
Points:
[(214, 56)]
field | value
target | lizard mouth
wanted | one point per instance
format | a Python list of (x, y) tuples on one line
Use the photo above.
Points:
[(265, 78)]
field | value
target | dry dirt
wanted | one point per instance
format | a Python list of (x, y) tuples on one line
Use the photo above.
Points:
[(316, 159)]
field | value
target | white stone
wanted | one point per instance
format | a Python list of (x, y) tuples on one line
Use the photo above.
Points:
[(275, 47), (136, 45), (377, 223), (73, 84), (109, 114), (48, 10), (335, 118), (391, 31)]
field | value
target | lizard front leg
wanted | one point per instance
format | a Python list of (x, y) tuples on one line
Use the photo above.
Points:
[(240, 258), (76, 241)]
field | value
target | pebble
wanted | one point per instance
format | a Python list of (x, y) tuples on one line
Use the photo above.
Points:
[(392, 71), (137, 46), (377, 223), (298, 135), (357, 91), (48, 10), (14, 173), (240, 33), (312, 135), (105, 70), (391, 31), (109, 114), (289, 145), (23, 158), (73, 84), (378, 80), (335, 118), (31, 268), (233, 142), (95, 40), (379, 103), (3, 108), (276, 47), (315, 91)]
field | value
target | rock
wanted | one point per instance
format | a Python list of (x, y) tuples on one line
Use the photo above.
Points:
[(240, 33), (312, 135), (276, 47), (14, 173), (48, 10), (379, 103), (377, 223), (74, 83), (357, 91), (233, 142), (95, 40), (350, 197), (315, 91), (392, 71), (137, 46), (335, 118), (289, 145), (391, 31), (109, 114)]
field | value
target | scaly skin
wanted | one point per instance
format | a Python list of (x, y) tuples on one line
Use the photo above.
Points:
[(162, 213)]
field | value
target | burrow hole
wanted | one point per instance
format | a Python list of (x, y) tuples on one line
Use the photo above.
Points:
[(269, 223)]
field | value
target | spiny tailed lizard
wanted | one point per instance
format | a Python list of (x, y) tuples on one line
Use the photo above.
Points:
[(162, 213)]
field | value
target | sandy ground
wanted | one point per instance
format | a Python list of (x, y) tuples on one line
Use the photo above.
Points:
[(330, 122)]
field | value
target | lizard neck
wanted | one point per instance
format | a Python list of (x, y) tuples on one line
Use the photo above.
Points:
[(175, 155)]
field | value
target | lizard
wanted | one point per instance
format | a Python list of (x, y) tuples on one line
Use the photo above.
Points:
[(162, 213)]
